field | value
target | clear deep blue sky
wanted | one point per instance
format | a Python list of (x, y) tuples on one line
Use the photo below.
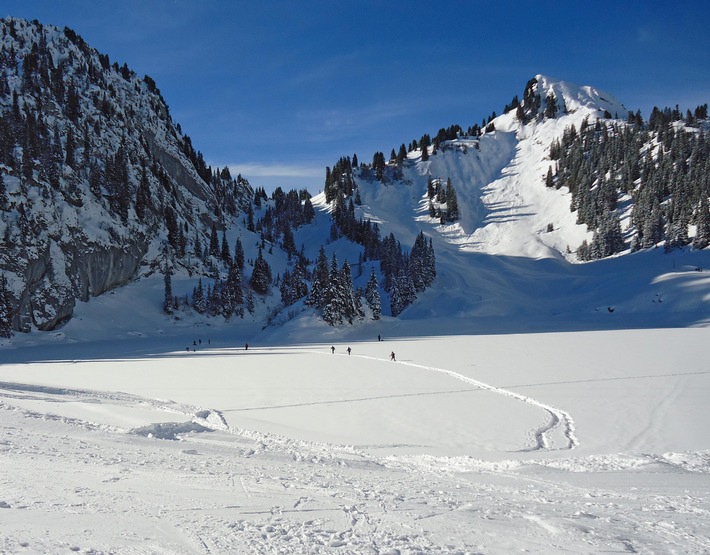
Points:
[(280, 89)]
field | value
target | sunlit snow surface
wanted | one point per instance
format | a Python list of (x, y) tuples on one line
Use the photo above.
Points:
[(583, 442)]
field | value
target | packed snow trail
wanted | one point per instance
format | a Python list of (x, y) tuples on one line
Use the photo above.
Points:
[(558, 416)]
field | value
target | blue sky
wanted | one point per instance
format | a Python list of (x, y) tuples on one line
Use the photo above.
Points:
[(280, 89)]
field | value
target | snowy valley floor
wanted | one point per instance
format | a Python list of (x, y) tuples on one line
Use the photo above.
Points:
[(585, 442)]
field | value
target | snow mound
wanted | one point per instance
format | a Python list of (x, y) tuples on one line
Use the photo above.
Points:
[(169, 430)]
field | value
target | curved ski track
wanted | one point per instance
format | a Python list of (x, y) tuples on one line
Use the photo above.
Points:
[(557, 416)]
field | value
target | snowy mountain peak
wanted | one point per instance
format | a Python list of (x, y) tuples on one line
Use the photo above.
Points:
[(570, 97)]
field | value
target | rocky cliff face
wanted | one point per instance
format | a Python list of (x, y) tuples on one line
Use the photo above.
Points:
[(96, 179)]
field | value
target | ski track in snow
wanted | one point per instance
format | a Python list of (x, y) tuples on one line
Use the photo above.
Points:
[(557, 416)]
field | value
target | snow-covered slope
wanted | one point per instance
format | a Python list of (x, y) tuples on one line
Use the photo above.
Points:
[(499, 179), (508, 262)]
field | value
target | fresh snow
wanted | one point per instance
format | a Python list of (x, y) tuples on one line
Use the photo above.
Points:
[(536, 405)]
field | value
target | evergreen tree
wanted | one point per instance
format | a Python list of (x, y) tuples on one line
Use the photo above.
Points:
[(261, 276), (3, 194), (608, 238), (214, 298), (198, 298), (250, 303), (289, 242), (403, 292), (239, 255), (233, 296), (402, 154), (169, 303), (321, 277), (372, 296), (452, 204), (214, 242), (430, 189), (224, 251), (702, 234), (172, 227), (677, 234), (197, 246), (309, 212), (422, 263), (328, 186), (332, 301), (379, 164), (5, 308), (293, 286), (340, 303), (285, 289), (653, 227), (351, 306)]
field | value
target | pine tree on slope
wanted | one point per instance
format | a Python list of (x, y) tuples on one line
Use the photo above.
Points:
[(5, 308), (261, 276), (169, 303), (372, 296)]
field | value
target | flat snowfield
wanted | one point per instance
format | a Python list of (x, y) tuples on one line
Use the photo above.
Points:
[(585, 442)]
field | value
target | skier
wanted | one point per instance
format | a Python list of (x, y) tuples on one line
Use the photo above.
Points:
[(332, 350), (348, 350), (379, 338), (246, 346), (392, 357)]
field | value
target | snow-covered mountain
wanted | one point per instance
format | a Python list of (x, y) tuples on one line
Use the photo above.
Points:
[(509, 261), (97, 178), (102, 189)]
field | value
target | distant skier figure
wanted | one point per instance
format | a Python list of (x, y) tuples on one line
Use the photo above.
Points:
[(379, 338), (392, 357), (332, 350), (349, 350), (246, 346)]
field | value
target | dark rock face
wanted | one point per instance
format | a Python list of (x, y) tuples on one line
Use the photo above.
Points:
[(64, 274)]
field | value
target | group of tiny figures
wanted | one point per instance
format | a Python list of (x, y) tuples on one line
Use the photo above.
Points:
[(392, 357), (196, 343)]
